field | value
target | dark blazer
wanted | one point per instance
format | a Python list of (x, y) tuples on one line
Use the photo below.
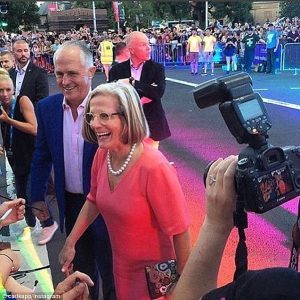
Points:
[(35, 84), (151, 85), (49, 150)]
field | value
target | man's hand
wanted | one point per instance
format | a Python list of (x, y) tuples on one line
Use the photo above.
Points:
[(42, 212), (17, 207), (74, 287)]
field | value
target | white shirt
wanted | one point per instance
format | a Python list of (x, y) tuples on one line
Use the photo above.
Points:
[(19, 78), (73, 147)]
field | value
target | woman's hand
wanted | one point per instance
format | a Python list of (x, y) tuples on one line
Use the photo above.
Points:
[(14, 257), (220, 192), (66, 257), (17, 207), (74, 287), (4, 116)]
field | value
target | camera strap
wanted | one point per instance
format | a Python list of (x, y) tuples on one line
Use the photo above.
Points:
[(241, 254), (296, 243)]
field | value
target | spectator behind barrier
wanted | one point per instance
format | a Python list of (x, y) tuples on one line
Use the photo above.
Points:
[(200, 274)]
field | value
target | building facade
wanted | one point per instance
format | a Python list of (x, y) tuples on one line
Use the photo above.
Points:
[(263, 11)]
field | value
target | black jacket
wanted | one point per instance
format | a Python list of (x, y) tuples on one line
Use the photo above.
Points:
[(35, 84), (151, 85)]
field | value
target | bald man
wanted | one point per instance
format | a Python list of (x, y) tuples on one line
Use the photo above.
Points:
[(148, 78)]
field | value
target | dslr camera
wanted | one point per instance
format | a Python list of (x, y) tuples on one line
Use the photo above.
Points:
[(266, 176)]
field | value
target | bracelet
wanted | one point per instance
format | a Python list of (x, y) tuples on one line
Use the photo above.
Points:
[(12, 268)]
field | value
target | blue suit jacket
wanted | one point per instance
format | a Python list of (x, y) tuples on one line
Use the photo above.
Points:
[(49, 150)]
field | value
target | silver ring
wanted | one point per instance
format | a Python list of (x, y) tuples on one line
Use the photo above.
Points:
[(212, 179)]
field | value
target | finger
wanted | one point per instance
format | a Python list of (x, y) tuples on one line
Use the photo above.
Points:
[(212, 170), (222, 168), (75, 292), (83, 277), (229, 175), (67, 268), (85, 293)]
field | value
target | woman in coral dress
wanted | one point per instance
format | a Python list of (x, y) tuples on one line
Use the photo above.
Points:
[(134, 188)]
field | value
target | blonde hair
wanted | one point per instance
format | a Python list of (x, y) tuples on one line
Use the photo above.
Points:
[(4, 76), (3, 72), (135, 124)]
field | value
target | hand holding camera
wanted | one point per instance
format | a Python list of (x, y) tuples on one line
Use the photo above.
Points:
[(266, 176), (220, 193)]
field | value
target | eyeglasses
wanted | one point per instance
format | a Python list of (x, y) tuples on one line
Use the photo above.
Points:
[(102, 116)]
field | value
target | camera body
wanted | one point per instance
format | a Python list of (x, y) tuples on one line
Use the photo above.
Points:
[(266, 176)]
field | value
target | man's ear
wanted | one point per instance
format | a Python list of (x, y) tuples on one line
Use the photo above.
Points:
[(91, 72)]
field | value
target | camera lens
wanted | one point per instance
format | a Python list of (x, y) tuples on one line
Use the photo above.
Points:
[(297, 180)]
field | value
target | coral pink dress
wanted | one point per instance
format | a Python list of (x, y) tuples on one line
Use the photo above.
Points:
[(142, 214)]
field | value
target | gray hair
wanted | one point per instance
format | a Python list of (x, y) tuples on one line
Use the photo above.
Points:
[(85, 54), (130, 39), (135, 126)]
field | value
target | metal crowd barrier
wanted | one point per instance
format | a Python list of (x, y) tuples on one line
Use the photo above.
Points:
[(291, 57), (174, 53)]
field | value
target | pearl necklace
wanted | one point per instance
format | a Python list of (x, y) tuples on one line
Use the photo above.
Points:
[(123, 167)]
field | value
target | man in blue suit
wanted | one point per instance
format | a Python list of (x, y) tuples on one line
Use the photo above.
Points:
[(60, 143)]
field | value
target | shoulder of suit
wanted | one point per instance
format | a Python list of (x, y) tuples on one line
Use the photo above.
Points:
[(50, 101), (151, 63), (35, 67)]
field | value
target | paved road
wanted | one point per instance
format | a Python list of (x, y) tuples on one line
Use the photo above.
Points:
[(199, 136)]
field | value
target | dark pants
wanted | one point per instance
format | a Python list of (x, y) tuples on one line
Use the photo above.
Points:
[(23, 191), (93, 251), (248, 59), (271, 60)]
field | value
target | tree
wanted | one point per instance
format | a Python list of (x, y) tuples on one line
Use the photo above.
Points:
[(140, 13), (289, 9), (198, 11), (234, 11), (171, 10), (22, 13)]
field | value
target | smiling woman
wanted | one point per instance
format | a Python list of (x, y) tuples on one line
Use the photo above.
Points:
[(134, 188)]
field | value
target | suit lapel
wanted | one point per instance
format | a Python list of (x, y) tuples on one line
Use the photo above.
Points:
[(144, 74), (58, 130)]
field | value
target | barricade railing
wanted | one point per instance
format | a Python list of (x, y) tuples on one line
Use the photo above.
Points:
[(261, 55), (291, 57), (174, 53)]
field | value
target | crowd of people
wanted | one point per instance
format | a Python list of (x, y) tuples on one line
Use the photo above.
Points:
[(116, 192), (168, 44)]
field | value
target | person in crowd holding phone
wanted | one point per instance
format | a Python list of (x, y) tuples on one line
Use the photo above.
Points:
[(134, 188), (199, 277), (18, 127)]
